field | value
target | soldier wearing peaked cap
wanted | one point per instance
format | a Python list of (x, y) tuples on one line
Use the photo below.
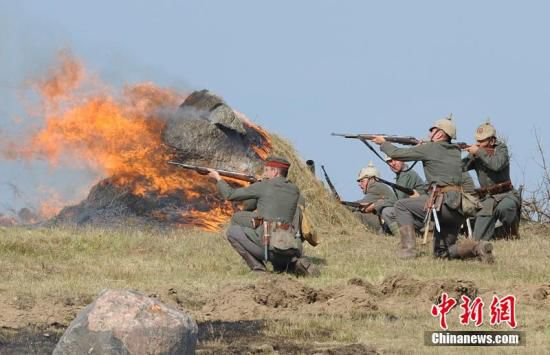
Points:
[(490, 160), (269, 233), (377, 197), (442, 164)]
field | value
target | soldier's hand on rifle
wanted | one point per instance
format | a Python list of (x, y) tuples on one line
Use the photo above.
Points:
[(214, 174), (416, 194), (379, 139), (368, 208), (472, 149)]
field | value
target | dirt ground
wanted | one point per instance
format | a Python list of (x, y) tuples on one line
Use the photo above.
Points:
[(233, 319)]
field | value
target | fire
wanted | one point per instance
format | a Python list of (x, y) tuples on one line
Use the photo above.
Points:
[(118, 135), (261, 150)]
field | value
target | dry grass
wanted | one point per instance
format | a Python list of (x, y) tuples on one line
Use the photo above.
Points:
[(59, 263), (53, 264)]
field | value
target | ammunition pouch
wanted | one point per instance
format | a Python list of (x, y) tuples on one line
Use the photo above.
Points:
[(282, 239), (470, 205), (495, 189)]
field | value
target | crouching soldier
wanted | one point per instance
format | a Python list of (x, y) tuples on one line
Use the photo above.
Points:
[(442, 164), (269, 233), (377, 197), (491, 162), (406, 177)]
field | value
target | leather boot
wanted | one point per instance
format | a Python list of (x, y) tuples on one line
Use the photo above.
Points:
[(407, 247), (484, 252), (304, 267), (394, 229), (481, 250)]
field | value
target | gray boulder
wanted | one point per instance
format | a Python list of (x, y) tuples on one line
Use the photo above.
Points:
[(128, 322)]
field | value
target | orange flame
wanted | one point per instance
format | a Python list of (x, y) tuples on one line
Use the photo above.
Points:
[(116, 135)]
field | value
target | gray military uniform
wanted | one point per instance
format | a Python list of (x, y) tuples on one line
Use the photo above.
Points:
[(442, 167), (409, 179), (381, 196), (493, 169), (273, 200)]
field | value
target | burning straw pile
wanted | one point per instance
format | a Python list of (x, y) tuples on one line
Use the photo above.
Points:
[(128, 138)]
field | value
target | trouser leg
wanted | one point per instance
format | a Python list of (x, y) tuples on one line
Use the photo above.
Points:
[(388, 215), (251, 253), (369, 219), (409, 213), (449, 222), (484, 228), (507, 212)]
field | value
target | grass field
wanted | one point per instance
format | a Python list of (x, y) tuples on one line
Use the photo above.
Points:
[(365, 300), (47, 275)]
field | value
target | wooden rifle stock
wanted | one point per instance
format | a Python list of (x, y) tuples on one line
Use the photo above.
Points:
[(203, 171)]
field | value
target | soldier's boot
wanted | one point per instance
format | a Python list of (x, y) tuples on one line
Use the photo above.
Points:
[(407, 247), (394, 229), (481, 250), (304, 267)]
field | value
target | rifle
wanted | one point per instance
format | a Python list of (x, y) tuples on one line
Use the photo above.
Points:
[(330, 185), (203, 171), (403, 189), (405, 140), (355, 204), (494, 189), (335, 193)]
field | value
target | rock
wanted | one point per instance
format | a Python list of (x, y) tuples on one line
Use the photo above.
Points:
[(128, 322)]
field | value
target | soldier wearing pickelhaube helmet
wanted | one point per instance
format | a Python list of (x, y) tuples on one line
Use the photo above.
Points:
[(442, 164), (377, 197), (490, 159), (274, 200)]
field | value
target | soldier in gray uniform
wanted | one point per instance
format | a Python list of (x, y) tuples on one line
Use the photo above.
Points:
[(491, 162), (407, 178), (271, 205), (377, 197), (443, 170)]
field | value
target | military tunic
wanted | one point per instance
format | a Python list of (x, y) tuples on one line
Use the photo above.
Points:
[(409, 179), (276, 200), (493, 168), (442, 167), (381, 196)]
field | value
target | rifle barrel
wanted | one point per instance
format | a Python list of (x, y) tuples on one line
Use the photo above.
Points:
[(203, 170), (398, 187), (330, 185), (405, 140)]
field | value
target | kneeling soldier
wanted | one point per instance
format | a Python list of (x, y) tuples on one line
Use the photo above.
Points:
[(406, 177), (490, 159), (267, 234), (377, 197), (442, 164)]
